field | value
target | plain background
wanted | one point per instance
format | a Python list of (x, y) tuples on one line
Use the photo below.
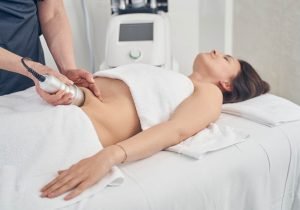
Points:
[(264, 32)]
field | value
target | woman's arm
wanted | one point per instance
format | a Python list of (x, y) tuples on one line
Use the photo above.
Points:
[(193, 115)]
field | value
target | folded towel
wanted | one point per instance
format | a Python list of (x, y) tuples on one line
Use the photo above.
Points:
[(214, 137), (267, 109), (36, 141)]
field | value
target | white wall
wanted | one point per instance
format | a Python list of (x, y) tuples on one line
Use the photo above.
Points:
[(196, 25), (267, 33), (76, 18), (211, 26), (184, 20)]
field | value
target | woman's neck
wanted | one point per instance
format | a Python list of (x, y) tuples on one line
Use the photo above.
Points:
[(195, 77)]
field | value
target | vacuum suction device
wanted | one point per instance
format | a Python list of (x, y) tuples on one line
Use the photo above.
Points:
[(51, 84)]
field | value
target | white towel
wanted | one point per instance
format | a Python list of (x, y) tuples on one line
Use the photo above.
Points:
[(267, 109), (214, 137), (7, 188), (156, 93), (36, 141)]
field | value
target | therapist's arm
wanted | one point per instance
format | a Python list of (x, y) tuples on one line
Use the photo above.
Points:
[(193, 115), (12, 62), (57, 32), (58, 35)]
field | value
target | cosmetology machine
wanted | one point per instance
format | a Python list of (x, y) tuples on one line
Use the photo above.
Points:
[(139, 32)]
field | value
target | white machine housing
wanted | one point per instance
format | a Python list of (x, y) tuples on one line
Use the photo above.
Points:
[(139, 38)]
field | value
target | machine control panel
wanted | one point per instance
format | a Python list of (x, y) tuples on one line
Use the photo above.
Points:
[(138, 38)]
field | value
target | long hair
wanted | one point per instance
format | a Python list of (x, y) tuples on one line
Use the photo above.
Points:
[(247, 84)]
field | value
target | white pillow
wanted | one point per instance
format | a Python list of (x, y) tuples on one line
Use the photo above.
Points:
[(266, 109)]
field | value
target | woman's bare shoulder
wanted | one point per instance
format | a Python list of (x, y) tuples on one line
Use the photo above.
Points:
[(208, 88)]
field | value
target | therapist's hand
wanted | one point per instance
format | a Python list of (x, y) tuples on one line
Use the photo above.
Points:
[(58, 98), (79, 176), (83, 78)]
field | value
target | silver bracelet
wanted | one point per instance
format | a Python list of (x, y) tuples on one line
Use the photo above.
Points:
[(122, 148)]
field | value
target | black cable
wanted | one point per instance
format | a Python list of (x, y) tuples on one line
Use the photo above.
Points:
[(39, 77)]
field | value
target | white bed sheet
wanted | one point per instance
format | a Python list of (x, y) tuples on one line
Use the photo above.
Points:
[(261, 173)]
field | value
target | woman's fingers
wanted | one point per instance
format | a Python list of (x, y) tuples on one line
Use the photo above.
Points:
[(79, 189), (67, 186), (59, 186), (66, 180), (61, 179), (77, 178), (49, 185)]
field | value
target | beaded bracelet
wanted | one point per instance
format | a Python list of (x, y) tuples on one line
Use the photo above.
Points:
[(122, 148)]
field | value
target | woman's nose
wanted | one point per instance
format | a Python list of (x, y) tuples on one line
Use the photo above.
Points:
[(215, 53)]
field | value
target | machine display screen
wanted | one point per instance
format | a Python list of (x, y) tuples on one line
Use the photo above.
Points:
[(136, 32)]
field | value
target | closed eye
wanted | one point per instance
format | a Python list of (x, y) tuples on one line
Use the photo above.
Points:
[(226, 58)]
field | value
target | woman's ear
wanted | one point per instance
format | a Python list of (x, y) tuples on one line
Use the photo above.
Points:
[(225, 86)]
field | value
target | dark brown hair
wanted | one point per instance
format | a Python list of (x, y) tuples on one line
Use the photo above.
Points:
[(247, 84)]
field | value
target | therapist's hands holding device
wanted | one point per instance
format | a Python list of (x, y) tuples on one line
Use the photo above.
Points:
[(53, 87), (58, 91), (52, 97)]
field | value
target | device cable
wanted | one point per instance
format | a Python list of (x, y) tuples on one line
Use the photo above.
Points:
[(38, 76)]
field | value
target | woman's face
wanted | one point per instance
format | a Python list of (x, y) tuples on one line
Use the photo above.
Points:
[(216, 67)]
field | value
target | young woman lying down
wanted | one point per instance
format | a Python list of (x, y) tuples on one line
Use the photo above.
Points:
[(126, 136)]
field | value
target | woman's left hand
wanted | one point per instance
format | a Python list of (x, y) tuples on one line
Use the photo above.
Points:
[(79, 176), (83, 78)]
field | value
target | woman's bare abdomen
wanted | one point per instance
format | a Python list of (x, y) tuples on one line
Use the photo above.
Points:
[(114, 118)]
